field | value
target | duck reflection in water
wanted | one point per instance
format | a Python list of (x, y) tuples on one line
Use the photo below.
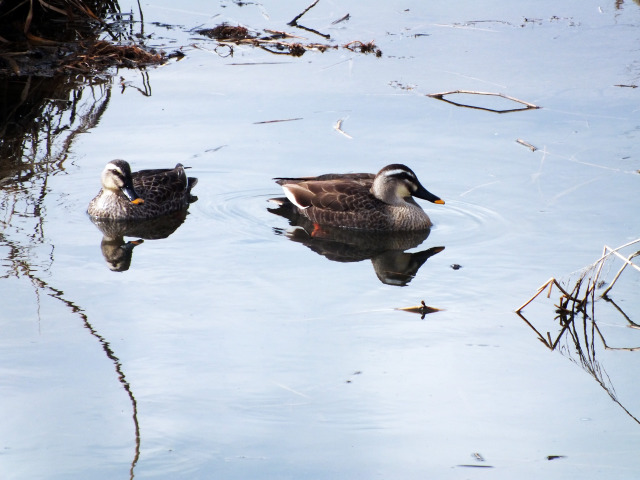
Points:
[(392, 264), (118, 253)]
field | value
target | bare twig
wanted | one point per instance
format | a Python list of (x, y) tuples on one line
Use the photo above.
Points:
[(343, 19), (294, 22), (280, 34), (527, 144), (338, 127), (549, 283), (278, 121), (627, 262)]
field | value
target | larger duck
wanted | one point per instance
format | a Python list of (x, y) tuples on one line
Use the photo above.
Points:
[(141, 195), (365, 201)]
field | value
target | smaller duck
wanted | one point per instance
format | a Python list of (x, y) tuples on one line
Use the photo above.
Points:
[(141, 195), (380, 202)]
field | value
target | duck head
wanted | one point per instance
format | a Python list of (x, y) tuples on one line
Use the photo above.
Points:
[(116, 177), (396, 182)]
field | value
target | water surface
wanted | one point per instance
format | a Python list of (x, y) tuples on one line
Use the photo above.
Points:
[(227, 350)]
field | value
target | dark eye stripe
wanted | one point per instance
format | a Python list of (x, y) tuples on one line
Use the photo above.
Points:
[(401, 174), (117, 173)]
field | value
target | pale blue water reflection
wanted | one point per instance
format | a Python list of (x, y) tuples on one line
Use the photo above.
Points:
[(249, 355)]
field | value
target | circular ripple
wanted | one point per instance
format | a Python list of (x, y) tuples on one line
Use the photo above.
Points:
[(243, 213), (464, 223)]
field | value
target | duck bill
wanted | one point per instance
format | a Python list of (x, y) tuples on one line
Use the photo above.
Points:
[(131, 194), (427, 195)]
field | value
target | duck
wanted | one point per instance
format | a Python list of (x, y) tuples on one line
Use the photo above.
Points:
[(141, 195), (363, 201)]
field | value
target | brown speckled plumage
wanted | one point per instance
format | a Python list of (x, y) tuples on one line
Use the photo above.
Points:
[(365, 201), (163, 191)]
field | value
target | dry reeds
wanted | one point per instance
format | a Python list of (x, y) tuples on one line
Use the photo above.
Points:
[(578, 297), (45, 38)]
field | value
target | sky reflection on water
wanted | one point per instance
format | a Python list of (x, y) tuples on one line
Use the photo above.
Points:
[(249, 355)]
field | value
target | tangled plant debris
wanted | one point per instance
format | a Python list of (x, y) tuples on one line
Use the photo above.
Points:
[(369, 47), (278, 42), (101, 55), (226, 32)]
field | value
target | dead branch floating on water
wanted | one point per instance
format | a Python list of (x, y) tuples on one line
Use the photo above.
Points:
[(440, 96)]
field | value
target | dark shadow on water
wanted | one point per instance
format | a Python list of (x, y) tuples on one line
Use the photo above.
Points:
[(39, 120), (386, 250), (40, 117), (18, 265), (42, 112), (118, 253)]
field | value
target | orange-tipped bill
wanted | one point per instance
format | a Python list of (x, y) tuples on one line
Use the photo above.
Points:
[(131, 194), (423, 193)]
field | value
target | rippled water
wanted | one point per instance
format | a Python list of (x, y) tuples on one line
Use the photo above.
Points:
[(238, 348)]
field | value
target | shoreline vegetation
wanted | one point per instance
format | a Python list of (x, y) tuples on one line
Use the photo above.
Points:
[(67, 36)]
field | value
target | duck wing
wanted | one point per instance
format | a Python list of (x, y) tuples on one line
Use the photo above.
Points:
[(331, 195), (162, 184), (328, 176)]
